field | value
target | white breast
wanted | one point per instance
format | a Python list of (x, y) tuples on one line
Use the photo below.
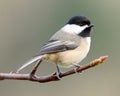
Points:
[(71, 57)]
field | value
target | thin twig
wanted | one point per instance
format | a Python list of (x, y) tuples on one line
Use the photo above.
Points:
[(52, 77)]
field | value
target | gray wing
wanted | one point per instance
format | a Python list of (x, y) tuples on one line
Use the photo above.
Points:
[(54, 46)]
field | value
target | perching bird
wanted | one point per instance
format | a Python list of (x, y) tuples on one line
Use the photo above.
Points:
[(68, 46)]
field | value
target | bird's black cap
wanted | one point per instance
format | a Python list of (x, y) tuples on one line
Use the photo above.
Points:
[(79, 20)]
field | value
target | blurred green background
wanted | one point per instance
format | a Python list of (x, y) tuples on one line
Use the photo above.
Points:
[(25, 25)]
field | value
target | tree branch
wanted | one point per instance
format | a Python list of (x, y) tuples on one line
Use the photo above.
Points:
[(52, 77)]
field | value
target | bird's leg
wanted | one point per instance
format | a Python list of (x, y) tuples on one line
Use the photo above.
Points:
[(75, 67), (34, 69), (58, 72)]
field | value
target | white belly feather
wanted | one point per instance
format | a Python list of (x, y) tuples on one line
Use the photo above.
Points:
[(71, 57)]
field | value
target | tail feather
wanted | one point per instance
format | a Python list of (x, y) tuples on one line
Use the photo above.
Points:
[(29, 62)]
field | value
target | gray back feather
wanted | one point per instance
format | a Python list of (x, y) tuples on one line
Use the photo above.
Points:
[(59, 42)]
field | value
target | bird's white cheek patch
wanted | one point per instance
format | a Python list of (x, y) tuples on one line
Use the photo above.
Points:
[(73, 29)]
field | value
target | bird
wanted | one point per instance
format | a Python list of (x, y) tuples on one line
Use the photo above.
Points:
[(67, 47)]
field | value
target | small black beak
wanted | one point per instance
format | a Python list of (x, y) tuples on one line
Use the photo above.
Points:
[(90, 26)]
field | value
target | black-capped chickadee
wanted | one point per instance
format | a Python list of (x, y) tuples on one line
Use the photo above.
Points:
[(68, 46)]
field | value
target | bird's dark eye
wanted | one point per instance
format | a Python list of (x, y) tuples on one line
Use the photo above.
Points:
[(78, 22), (84, 23)]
